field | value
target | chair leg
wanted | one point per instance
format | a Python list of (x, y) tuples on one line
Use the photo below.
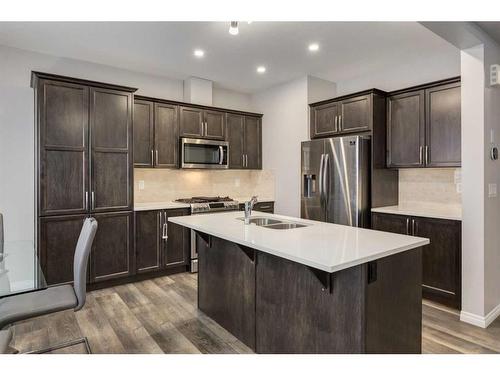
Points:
[(82, 340)]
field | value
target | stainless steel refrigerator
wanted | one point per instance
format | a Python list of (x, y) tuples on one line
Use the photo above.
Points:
[(336, 180)]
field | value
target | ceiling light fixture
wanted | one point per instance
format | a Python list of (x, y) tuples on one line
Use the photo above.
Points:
[(199, 53), (233, 28), (261, 69), (313, 47)]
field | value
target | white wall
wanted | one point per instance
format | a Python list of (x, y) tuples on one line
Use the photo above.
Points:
[(231, 99), (472, 181), (397, 76), (17, 122), (284, 127)]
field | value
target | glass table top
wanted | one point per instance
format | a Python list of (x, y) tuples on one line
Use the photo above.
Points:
[(20, 270)]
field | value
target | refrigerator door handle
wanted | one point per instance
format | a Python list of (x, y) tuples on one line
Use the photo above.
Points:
[(325, 177), (321, 164)]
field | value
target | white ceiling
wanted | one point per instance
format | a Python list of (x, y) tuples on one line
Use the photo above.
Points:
[(347, 49)]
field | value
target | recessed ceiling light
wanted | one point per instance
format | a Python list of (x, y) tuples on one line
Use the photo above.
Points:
[(199, 53), (261, 69), (313, 47), (233, 28)]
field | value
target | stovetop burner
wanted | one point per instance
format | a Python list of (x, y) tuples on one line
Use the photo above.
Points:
[(204, 200)]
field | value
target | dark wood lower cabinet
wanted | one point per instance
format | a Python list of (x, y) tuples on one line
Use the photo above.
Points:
[(160, 244), (57, 240), (274, 305), (112, 253), (441, 259)]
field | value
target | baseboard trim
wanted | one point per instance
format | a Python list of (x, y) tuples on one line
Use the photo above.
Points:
[(478, 320)]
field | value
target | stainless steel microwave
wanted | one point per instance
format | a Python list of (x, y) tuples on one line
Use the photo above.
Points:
[(204, 154)]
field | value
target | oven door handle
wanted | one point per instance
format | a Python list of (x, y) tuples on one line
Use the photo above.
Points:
[(221, 155)]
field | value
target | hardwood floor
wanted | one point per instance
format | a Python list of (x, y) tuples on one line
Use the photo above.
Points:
[(160, 316)]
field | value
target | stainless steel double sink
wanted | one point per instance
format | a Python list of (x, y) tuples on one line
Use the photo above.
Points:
[(271, 223)]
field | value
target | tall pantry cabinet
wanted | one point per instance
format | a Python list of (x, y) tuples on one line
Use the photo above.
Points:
[(84, 168)]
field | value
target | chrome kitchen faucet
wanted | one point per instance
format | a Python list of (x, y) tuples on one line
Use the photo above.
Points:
[(248, 208)]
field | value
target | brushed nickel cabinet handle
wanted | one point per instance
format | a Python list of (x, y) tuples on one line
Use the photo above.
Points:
[(86, 200), (152, 158), (420, 154), (336, 122), (93, 200), (426, 155), (340, 122), (413, 227), (408, 226), (156, 157)]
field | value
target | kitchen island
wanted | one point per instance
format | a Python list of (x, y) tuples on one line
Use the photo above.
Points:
[(314, 288)]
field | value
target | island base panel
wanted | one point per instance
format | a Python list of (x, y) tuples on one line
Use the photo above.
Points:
[(274, 305), (226, 286)]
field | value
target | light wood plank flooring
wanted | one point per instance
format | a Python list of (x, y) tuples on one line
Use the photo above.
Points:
[(160, 316)]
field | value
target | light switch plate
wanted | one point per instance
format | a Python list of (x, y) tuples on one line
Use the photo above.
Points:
[(141, 184), (492, 190)]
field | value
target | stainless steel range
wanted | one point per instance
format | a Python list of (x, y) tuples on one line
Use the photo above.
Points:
[(205, 205)]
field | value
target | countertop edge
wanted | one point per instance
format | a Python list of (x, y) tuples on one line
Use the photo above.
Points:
[(396, 210), (173, 205), (322, 267)]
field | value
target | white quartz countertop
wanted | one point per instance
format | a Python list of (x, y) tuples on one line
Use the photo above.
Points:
[(437, 212), (325, 246), (159, 206)]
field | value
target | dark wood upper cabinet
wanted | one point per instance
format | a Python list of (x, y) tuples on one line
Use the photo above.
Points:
[(111, 134), (147, 241), (57, 238), (214, 124), (63, 120), (253, 143), (143, 133), (344, 115), (112, 254), (443, 126), (355, 114), (424, 126), (244, 134), (324, 120), (406, 129), (191, 122), (166, 135), (235, 125)]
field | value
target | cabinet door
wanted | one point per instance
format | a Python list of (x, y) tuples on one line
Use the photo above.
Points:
[(235, 136), (63, 159), (324, 120), (176, 246), (166, 135), (147, 241), (253, 143), (214, 125), (58, 236), (355, 114), (191, 124), (391, 223), (112, 167), (143, 133), (443, 126), (441, 259), (405, 130), (112, 251)]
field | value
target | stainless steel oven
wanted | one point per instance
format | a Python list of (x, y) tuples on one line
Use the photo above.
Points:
[(204, 154)]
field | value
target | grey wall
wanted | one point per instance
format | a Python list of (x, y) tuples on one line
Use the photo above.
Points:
[(17, 122)]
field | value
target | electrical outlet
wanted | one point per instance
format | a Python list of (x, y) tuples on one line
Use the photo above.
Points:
[(141, 184), (457, 176), (492, 190), (458, 186)]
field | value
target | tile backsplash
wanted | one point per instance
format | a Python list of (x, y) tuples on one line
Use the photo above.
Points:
[(163, 185), (432, 187)]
